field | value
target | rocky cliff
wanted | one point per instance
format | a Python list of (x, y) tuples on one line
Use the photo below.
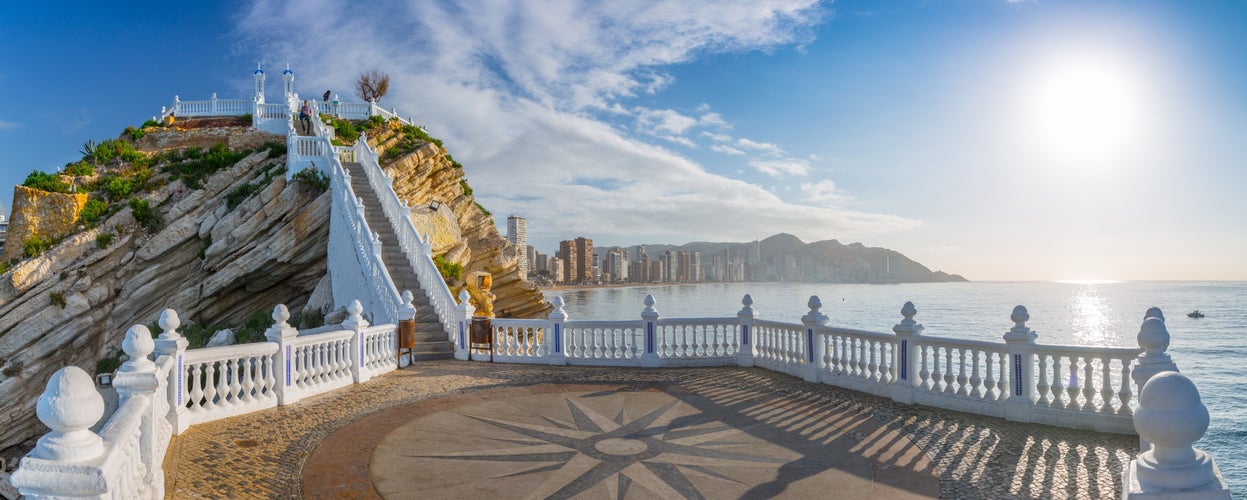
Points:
[(461, 230), (40, 213)]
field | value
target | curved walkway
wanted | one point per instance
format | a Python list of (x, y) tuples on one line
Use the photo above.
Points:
[(456, 429)]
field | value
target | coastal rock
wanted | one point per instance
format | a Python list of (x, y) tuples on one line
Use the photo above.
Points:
[(221, 338)]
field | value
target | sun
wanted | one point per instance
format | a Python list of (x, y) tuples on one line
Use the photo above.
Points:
[(1084, 111)]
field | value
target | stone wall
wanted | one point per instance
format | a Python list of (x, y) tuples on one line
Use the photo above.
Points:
[(40, 213)]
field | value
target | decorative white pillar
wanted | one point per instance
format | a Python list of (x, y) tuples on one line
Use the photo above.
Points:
[(1154, 339), (649, 316), (172, 344), (336, 113), (815, 346), (406, 322), (1021, 344), (556, 350), (137, 378), (213, 105), (283, 334), (903, 358), (356, 322), (746, 316), (65, 461), (258, 76), (1172, 417), (462, 312), (287, 78)]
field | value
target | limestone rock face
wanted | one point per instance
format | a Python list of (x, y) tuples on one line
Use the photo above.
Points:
[(210, 264), (40, 213), (425, 175)]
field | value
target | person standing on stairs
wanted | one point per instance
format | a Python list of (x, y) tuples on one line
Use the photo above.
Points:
[(305, 117)]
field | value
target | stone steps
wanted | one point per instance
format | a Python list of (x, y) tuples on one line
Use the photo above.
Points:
[(432, 341)]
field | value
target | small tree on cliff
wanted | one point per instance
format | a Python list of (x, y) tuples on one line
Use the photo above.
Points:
[(372, 84)]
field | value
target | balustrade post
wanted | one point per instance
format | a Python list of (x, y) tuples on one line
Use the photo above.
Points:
[(283, 334), (1021, 344), (177, 107), (172, 344), (746, 316), (903, 358), (213, 106), (463, 312), (556, 347), (649, 316), (65, 461), (336, 112), (1154, 339), (356, 323), (815, 346), (372, 107), (407, 330), (137, 378), (292, 145), (1172, 417), (376, 243)]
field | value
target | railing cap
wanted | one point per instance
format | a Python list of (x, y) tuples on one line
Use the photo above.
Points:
[(1020, 333), (908, 326), (747, 310), (169, 323), (558, 314), (1153, 337), (137, 345), (69, 406), (815, 316), (649, 313)]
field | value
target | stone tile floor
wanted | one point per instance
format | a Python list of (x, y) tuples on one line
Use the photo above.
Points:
[(267, 454)]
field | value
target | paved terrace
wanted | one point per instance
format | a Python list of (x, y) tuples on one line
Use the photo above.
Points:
[(455, 429)]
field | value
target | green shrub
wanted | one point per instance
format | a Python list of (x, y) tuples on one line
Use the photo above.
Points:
[(36, 245), (450, 271), (146, 216), (240, 193), (102, 240), (14, 369), (151, 123), (314, 178), (467, 190), (246, 117), (92, 212), (194, 165), (375, 121), (58, 299), (118, 187), (310, 318), (346, 131), (274, 148), (79, 168), (5, 266), (44, 181), (134, 133), (483, 209), (252, 330), (108, 365)]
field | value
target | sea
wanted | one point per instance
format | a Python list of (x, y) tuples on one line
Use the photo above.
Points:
[(1209, 350)]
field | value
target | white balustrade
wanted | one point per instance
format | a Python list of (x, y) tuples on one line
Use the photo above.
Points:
[(780, 347), (857, 359), (709, 339), (226, 381), (608, 343), (520, 340), (1074, 381), (351, 240)]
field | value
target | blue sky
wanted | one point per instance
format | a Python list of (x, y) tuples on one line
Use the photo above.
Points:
[(1000, 140)]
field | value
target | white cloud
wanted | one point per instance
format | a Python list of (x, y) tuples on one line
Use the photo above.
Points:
[(727, 150), (6, 125), (825, 192), (525, 96), (762, 147), (781, 166)]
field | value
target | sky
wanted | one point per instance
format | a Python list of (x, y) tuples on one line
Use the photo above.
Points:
[(1000, 140)]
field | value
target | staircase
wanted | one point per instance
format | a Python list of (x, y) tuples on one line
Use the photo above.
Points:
[(432, 341)]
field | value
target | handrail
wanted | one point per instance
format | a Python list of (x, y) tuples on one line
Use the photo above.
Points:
[(375, 277)]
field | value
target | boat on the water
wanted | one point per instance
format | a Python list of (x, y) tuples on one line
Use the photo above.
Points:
[(1195, 314)]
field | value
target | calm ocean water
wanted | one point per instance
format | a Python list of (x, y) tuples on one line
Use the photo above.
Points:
[(1208, 350)]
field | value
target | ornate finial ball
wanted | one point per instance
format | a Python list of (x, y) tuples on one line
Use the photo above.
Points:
[(1170, 415), (1153, 336), (1020, 315), (463, 296), (908, 310), (814, 303), (408, 297), (649, 301), (355, 308), (280, 313), (169, 320), (1169, 390), (1154, 312), (70, 401), (747, 300), (138, 343), (558, 301)]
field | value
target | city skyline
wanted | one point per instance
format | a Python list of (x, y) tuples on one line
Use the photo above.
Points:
[(1006, 140)]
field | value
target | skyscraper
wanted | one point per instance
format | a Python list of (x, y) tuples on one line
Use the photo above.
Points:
[(584, 260), (517, 234)]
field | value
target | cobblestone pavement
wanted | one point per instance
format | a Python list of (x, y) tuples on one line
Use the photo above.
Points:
[(265, 454)]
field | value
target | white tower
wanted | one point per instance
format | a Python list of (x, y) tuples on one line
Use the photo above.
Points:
[(259, 84), (517, 234), (287, 77)]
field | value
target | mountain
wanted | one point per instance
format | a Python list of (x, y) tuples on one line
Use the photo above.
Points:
[(784, 257)]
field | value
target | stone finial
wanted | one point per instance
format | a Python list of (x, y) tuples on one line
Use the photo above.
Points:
[(558, 314), (1172, 417), (747, 310), (1153, 337), (169, 323), (356, 319), (137, 345), (214, 96), (1154, 312), (649, 313), (815, 316), (69, 406), (908, 326), (464, 297), (407, 310), (280, 315), (1020, 332)]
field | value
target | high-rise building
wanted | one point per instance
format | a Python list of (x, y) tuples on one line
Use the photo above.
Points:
[(517, 234), (569, 256), (557, 270), (585, 261), (697, 273)]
